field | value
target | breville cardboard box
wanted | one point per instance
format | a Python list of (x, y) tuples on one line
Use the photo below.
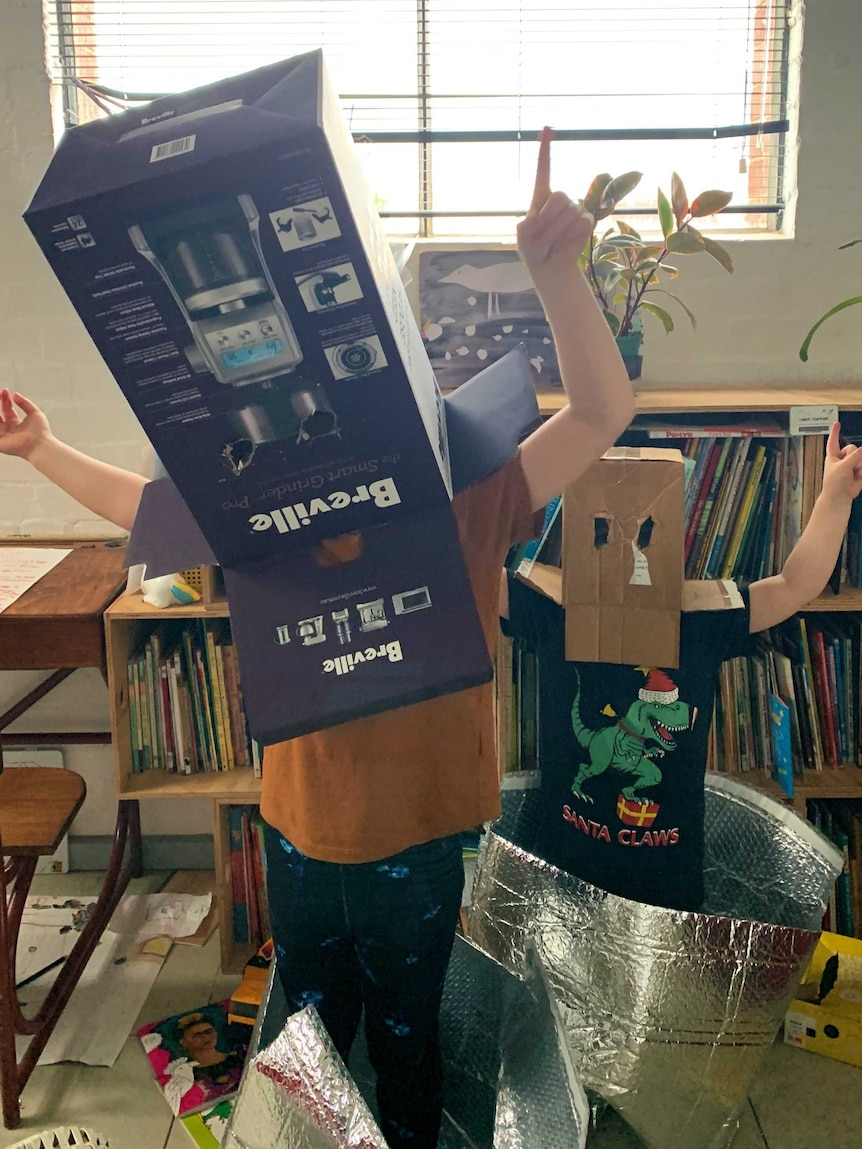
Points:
[(826, 1016), (621, 581), (223, 251)]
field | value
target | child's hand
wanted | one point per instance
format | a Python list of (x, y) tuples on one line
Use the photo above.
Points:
[(555, 230), (842, 470), (19, 435)]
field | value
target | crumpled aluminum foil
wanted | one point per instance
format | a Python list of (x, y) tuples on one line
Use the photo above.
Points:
[(667, 1014), (509, 1081), (297, 1094)]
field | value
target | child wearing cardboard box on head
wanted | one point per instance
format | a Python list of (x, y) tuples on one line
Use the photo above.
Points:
[(364, 862), (628, 659)]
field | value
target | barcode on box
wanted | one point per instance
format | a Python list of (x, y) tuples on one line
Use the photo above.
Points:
[(817, 428), (172, 148)]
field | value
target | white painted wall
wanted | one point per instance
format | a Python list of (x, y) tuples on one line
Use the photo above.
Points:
[(750, 325)]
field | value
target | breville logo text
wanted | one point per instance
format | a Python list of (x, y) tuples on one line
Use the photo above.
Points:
[(155, 119), (348, 662), (295, 516)]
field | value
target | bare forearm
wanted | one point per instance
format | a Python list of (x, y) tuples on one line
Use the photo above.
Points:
[(808, 566), (107, 491), (813, 559), (591, 368)]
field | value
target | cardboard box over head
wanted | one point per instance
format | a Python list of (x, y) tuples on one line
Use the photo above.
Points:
[(622, 576), (222, 249)]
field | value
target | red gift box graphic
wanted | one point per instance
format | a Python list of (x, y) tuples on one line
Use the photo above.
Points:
[(633, 813)]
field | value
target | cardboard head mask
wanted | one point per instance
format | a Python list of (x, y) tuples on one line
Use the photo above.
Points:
[(623, 558), (622, 578)]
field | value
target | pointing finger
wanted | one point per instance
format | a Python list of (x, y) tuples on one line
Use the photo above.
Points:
[(542, 189)]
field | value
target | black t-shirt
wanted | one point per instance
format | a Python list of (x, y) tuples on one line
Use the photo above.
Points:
[(622, 753)]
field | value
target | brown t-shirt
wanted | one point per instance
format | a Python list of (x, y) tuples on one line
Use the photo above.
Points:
[(371, 788)]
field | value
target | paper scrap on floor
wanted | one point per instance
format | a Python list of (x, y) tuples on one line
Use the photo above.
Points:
[(161, 915), (119, 976), (22, 567)]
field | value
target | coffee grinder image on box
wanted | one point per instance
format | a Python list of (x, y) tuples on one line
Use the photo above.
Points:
[(211, 258)]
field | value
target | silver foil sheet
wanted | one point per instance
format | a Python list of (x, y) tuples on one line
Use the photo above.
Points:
[(667, 1014), (297, 1094), (509, 1080)]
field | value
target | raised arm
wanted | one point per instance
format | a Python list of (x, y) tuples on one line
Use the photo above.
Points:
[(107, 491), (600, 405), (811, 562)]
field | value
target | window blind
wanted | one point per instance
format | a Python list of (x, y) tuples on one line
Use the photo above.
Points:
[(446, 99)]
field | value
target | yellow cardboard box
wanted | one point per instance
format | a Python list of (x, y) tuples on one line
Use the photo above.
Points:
[(826, 1016)]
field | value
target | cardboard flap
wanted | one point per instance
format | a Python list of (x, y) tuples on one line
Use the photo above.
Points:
[(165, 537), (488, 416), (396, 649), (117, 151), (622, 637), (711, 594), (546, 580)]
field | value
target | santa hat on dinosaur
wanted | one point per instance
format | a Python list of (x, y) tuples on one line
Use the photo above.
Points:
[(658, 688)]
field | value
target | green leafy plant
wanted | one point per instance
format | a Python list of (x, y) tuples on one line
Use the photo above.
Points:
[(626, 270), (842, 306)]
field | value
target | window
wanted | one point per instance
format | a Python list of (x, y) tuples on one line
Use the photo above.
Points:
[(445, 97)]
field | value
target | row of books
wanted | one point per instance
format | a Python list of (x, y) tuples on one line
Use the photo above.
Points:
[(795, 703), (743, 505), (248, 882), (748, 484), (841, 821), (185, 704)]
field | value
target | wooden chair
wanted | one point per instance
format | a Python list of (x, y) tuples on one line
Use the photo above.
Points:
[(37, 806)]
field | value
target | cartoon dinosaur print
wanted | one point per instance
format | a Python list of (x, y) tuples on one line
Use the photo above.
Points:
[(634, 741)]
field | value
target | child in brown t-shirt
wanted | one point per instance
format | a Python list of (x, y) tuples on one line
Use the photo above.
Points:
[(364, 868)]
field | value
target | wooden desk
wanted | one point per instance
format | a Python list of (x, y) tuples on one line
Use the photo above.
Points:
[(57, 626)]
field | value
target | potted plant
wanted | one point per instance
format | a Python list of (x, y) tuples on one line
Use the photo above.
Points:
[(626, 271), (842, 306)]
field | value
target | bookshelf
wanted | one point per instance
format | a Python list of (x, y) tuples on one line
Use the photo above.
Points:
[(234, 954), (129, 621), (722, 400)]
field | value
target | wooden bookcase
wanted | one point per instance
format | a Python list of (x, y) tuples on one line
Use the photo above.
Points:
[(129, 620)]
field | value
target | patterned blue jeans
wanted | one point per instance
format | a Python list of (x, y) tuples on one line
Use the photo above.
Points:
[(378, 935)]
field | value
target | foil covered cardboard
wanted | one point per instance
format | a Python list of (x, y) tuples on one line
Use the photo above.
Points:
[(667, 1014), (297, 1094), (509, 1080)]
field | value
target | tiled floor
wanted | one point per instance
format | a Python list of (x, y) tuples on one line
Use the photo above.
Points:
[(800, 1102)]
